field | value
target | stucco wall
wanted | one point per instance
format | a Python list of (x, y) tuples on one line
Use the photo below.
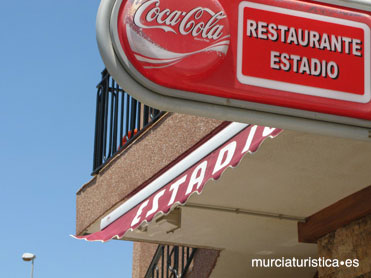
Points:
[(160, 145), (203, 263), (352, 241), (142, 257)]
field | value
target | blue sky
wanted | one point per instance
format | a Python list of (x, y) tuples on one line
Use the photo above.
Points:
[(50, 66)]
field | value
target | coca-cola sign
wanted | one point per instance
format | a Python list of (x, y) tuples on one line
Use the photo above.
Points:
[(302, 65), (172, 37)]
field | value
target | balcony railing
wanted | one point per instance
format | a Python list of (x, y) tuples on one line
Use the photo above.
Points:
[(119, 119), (171, 262)]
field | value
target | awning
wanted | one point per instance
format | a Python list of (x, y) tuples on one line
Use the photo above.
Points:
[(188, 176)]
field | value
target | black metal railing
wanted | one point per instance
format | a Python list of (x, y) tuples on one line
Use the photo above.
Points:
[(119, 119), (171, 262)]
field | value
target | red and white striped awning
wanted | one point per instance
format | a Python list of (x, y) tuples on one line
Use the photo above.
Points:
[(174, 187)]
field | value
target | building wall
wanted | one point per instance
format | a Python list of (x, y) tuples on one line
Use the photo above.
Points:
[(164, 142), (352, 241), (204, 263), (202, 266), (142, 257)]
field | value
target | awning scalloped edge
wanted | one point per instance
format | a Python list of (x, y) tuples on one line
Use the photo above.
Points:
[(192, 181)]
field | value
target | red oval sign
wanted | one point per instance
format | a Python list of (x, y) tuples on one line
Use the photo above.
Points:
[(285, 57), (172, 37)]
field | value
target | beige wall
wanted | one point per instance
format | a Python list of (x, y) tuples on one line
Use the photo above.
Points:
[(350, 242)]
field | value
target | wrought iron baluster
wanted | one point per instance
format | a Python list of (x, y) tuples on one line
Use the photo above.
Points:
[(122, 117), (119, 117), (165, 262)]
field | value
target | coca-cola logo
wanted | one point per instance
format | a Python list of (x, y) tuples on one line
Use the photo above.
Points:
[(186, 22), (187, 38)]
